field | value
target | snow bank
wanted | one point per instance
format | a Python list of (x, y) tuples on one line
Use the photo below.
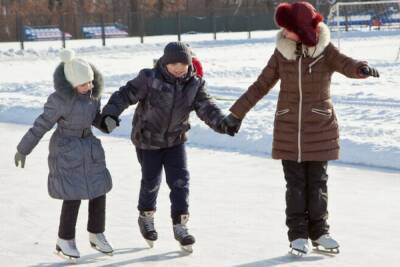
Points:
[(368, 110)]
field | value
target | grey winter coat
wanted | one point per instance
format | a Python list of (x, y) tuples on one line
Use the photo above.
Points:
[(76, 159), (161, 118)]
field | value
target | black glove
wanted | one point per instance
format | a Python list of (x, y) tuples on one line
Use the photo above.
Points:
[(231, 124), (369, 71), (105, 123)]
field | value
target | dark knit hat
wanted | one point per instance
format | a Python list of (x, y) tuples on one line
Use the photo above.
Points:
[(300, 18), (175, 52)]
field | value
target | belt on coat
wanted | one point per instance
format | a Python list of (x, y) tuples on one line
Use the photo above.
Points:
[(81, 133)]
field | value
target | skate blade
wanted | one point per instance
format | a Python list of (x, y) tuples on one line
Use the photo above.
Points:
[(69, 259), (150, 243), (297, 253), (99, 250), (187, 248), (331, 251)]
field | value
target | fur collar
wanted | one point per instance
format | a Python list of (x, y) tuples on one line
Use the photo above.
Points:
[(63, 87), (288, 47)]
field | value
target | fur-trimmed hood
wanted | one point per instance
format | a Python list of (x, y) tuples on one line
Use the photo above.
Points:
[(287, 47), (62, 86)]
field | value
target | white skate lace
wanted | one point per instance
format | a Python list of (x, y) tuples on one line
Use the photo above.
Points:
[(72, 244), (102, 239), (148, 223), (181, 231)]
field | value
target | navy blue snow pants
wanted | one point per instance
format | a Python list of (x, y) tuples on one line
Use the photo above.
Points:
[(174, 161)]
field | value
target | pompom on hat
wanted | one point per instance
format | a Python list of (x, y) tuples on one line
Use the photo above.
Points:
[(76, 70), (300, 18)]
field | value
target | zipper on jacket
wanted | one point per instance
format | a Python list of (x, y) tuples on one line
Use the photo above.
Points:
[(327, 112), (300, 110), (281, 112), (172, 111), (313, 63)]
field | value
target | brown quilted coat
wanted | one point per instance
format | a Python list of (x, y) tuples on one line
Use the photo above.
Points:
[(305, 127)]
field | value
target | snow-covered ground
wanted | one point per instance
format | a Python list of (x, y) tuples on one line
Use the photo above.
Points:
[(237, 192), (368, 110), (237, 212)]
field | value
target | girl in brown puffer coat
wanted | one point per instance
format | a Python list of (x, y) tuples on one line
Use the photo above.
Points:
[(305, 129)]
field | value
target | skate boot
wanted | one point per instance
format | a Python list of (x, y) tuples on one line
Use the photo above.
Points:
[(327, 244), (299, 247), (100, 243), (182, 235), (146, 225), (67, 249)]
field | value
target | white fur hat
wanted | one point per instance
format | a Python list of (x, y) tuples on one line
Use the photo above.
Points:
[(76, 70)]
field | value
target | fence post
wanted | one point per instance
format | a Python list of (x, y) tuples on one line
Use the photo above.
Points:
[(248, 26), (103, 32), (62, 30), (214, 24), (20, 31), (130, 30), (178, 18), (141, 26)]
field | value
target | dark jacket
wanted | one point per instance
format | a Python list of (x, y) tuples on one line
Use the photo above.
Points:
[(305, 127), (161, 118), (76, 159)]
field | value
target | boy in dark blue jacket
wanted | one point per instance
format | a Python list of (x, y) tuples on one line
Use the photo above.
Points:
[(166, 95)]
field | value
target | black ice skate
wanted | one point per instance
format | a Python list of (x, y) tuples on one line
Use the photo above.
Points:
[(146, 225), (182, 235)]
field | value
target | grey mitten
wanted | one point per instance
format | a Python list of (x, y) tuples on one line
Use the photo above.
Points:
[(19, 158), (110, 123)]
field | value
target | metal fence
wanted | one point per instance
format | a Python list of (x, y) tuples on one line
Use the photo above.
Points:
[(79, 26)]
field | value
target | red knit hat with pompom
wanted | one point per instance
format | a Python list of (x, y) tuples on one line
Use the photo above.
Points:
[(300, 18)]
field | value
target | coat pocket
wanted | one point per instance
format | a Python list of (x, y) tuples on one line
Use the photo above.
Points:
[(97, 151), (323, 112), (69, 154), (65, 145), (282, 112)]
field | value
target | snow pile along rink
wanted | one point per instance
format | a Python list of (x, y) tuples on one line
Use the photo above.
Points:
[(368, 110)]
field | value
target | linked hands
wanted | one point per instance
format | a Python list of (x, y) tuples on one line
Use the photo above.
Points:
[(109, 123), (230, 124)]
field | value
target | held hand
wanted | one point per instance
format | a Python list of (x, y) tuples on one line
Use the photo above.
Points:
[(231, 124), (369, 71), (19, 158), (109, 123)]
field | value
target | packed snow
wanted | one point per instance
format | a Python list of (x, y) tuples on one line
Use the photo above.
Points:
[(368, 110), (237, 206), (237, 191)]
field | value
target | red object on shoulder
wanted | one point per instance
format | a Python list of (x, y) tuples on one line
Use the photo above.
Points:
[(198, 67)]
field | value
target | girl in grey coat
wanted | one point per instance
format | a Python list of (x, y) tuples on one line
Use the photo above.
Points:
[(77, 168)]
